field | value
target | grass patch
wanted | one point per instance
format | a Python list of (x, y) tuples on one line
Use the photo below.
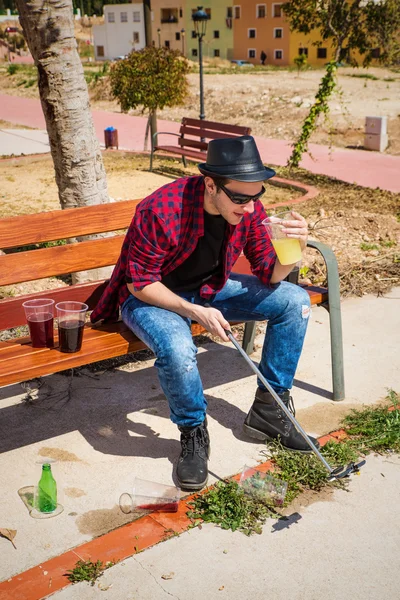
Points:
[(366, 246), (86, 570), (364, 76), (228, 506), (372, 429)]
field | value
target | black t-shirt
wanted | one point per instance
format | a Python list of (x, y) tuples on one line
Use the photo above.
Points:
[(205, 260)]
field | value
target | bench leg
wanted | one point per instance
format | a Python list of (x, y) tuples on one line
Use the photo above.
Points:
[(335, 318), (184, 161), (248, 337), (151, 160)]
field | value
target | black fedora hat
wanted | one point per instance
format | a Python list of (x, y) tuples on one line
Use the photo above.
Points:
[(235, 158)]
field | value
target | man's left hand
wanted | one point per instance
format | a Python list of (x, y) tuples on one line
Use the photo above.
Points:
[(297, 229)]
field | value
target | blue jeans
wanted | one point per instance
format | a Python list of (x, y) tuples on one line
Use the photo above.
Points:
[(244, 298)]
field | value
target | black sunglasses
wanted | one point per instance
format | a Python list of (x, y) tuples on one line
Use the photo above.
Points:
[(241, 198)]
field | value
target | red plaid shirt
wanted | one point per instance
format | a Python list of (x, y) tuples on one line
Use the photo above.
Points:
[(164, 233)]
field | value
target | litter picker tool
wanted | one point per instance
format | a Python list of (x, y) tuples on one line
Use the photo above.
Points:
[(339, 472)]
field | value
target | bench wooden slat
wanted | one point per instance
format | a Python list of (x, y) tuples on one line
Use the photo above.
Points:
[(60, 224), (176, 150), (187, 143), (12, 313), (59, 260), (98, 344), (205, 133), (234, 130)]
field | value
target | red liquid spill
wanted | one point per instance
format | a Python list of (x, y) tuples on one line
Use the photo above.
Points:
[(167, 507)]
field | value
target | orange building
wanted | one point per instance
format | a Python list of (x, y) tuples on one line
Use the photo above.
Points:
[(261, 28)]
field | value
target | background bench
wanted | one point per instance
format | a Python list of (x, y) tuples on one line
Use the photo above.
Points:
[(193, 138), (20, 362)]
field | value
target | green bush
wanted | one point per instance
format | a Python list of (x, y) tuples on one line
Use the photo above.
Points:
[(152, 78), (12, 69)]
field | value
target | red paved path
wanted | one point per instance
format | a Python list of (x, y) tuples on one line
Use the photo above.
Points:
[(369, 169)]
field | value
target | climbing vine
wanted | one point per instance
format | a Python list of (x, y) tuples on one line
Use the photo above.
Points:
[(326, 87)]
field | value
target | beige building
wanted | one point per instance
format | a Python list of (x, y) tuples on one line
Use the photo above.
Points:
[(122, 32)]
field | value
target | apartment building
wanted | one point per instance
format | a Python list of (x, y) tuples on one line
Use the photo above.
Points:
[(122, 32), (218, 41), (262, 28), (168, 24)]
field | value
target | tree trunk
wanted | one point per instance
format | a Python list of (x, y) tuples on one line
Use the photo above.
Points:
[(49, 31)]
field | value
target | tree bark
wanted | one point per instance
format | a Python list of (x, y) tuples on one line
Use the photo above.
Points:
[(48, 27)]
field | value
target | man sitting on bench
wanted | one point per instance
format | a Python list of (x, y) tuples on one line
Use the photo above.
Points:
[(176, 267)]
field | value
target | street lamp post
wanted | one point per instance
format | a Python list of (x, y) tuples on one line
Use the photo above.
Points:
[(183, 41), (159, 37), (200, 19)]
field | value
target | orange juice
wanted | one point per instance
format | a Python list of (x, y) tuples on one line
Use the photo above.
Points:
[(288, 250)]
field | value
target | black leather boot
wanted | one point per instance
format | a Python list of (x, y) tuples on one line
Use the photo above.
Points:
[(192, 470), (267, 421)]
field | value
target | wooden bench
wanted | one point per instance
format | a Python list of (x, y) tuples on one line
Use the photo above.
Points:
[(193, 138), (19, 361)]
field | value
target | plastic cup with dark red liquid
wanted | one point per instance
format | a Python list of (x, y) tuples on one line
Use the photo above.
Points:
[(149, 495), (39, 315), (71, 317)]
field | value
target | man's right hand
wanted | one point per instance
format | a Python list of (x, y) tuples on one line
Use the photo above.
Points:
[(211, 319)]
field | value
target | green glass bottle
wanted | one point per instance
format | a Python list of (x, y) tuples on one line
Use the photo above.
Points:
[(47, 490)]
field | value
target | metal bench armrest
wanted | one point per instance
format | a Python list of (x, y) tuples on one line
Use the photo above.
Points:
[(157, 133), (335, 317)]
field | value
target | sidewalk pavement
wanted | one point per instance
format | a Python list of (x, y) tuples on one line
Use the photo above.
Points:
[(369, 169), (116, 425), (16, 142)]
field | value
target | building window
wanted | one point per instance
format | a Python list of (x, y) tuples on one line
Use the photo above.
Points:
[(136, 38), (277, 10), (216, 34), (169, 15), (321, 52), (100, 50), (278, 54), (180, 13), (236, 12), (251, 33), (111, 17), (194, 51), (178, 36), (303, 51), (167, 44), (251, 53), (216, 52), (193, 33), (229, 12), (375, 53), (208, 11), (136, 16), (278, 32), (124, 17), (261, 11)]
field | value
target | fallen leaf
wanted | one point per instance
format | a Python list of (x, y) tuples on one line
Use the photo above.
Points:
[(9, 534), (169, 576)]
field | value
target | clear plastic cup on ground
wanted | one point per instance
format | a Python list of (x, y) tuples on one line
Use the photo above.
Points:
[(39, 315), (288, 250), (71, 317), (150, 495), (263, 486)]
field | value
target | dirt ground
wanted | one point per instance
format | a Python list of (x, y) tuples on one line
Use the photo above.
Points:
[(273, 103), (361, 225)]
